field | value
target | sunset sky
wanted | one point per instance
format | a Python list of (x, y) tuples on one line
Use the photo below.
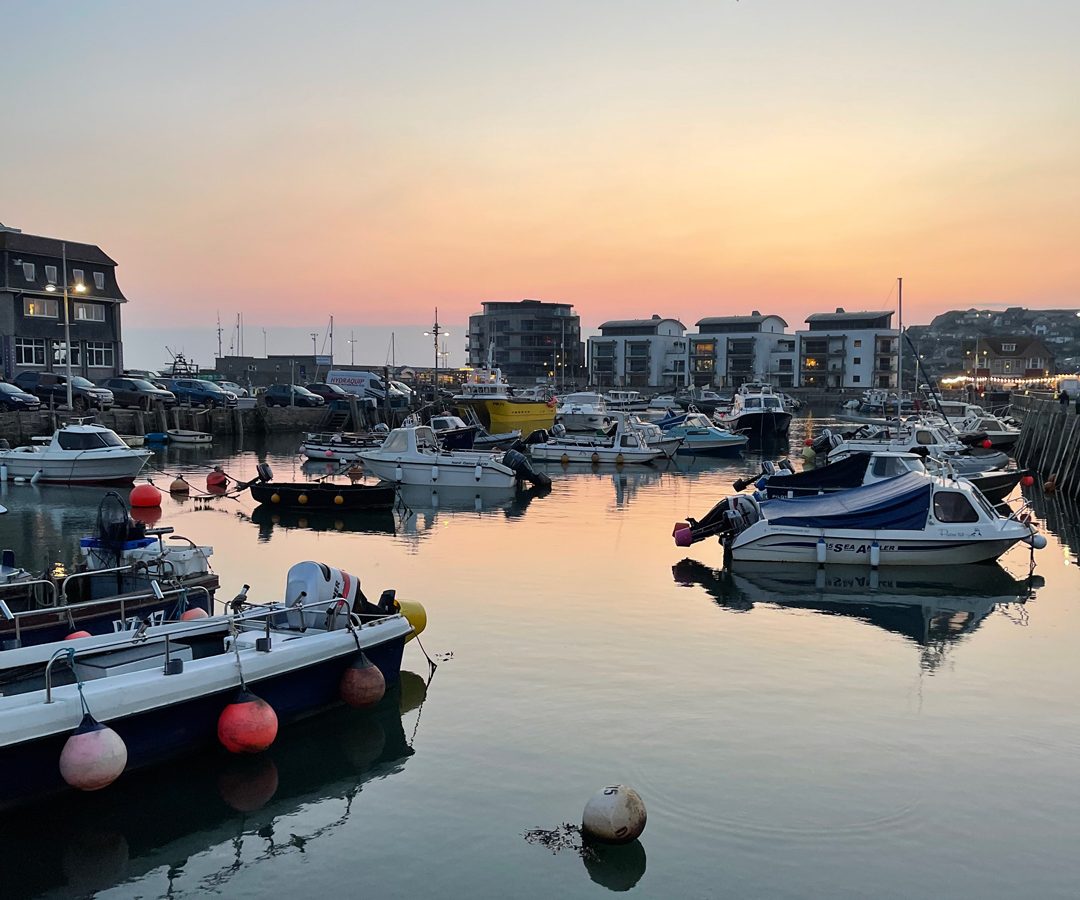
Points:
[(374, 160)]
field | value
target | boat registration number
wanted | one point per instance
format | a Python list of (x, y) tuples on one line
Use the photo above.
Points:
[(133, 622)]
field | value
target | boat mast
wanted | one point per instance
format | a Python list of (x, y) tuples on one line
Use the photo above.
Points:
[(900, 346)]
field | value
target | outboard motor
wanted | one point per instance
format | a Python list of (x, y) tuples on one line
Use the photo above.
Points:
[(823, 442), (523, 468), (540, 436), (264, 473), (558, 429)]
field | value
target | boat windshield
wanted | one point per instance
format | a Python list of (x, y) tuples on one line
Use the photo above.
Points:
[(772, 402), (88, 440), (426, 440), (396, 442), (752, 403)]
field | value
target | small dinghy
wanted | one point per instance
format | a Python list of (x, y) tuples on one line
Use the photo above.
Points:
[(341, 446), (913, 520), (319, 495), (185, 436)]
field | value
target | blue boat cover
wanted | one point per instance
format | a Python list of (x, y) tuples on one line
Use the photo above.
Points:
[(901, 503)]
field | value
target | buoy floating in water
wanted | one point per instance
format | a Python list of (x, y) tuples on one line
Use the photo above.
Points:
[(248, 724), (93, 757), (362, 684), (179, 486), (614, 815), (217, 478), (144, 495)]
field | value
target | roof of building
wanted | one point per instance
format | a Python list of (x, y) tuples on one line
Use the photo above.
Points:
[(19, 242), (751, 319), (653, 322), (842, 316), (1023, 346)]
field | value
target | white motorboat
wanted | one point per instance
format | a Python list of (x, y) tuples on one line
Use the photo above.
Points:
[(583, 411), (758, 412), (412, 454), (986, 427), (625, 446), (655, 438), (191, 438), (912, 520), (702, 438), (911, 437), (77, 454), (626, 401), (338, 446)]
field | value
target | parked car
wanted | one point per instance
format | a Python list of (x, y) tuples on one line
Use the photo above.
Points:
[(235, 388), (329, 392), (279, 395), (51, 386), (16, 399), (138, 393), (196, 392)]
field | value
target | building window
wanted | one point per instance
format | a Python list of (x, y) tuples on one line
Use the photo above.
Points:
[(858, 343), (50, 274), (857, 360), (29, 352), (29, 271), (89, 312), (77, 276), (1008, 348), (40, 307), (855, 379), (99, 280), (99, 355), (59, 354)]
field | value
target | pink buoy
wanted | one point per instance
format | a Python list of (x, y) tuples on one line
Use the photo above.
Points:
[(93, 757), (684, 537), (247, 725), (75, 635), (362, 684), (679, 526), (192, 614), (143, 495)]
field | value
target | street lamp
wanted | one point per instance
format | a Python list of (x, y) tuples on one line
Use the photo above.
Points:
[(80, 288), (435, 333)]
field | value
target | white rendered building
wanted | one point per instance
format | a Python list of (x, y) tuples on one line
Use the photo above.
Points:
[(638, 353)]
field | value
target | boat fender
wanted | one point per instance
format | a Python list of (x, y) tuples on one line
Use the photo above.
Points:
[(275, 498), (362, 684), (614, 815), (302, 499), (434, 473), (248, 724), (875, 554), (217, 478), (821, 549), (93, 757), (478, 472), (339, 499), (415, 615), (36, 477), (618, 459), (179, 486), (595, 457), (398, 474)]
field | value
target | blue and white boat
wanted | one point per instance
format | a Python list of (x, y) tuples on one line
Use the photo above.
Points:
[(701, 437), (912, 520), (163, 690)]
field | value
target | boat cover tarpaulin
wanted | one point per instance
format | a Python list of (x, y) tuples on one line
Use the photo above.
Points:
[(900, 504), (844, 473)]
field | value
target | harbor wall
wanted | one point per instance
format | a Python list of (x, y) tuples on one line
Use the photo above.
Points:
[(19, 427), (1049, 441)]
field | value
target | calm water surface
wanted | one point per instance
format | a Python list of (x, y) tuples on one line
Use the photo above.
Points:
[(793, 733)]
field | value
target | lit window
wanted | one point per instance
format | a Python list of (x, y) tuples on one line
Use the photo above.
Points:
[(89, 312), (99, 280), (29, 352), (41, 307)]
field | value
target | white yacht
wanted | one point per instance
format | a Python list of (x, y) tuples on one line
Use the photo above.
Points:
[(626, 401), (412, 454), (758, 412), (77, 454), (583, 411)]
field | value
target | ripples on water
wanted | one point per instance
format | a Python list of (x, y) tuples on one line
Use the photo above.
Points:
[(794, 733)]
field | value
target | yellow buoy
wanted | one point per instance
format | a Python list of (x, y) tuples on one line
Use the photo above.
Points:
[(415, 614), (565, 459), (619, 459), (302, 499), (596, 457), (338, 499), (275, 498)]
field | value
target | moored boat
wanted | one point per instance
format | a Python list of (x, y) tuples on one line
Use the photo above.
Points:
[(77, 454), (323, 495), (488, 395), (187, 436), (758, 412), (624, 446), (584, 411), (701, 437), (338, 445)]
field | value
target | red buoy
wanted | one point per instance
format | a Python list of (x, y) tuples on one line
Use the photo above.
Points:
[(1027, 480), (75, 635), (247, 725), (362, 684), (217, 478), (193, 613), (808, 443), (987, 444), (93, 757), (144, 495)]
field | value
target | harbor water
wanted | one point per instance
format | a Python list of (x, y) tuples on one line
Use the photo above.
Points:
[(794, 733)]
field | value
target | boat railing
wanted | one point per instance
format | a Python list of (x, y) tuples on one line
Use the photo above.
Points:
[(22, 585)]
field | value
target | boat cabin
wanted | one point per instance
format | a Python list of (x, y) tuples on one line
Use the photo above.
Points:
[(420, 439)]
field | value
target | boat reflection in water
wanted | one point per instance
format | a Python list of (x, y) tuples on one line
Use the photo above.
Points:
[(375, 521), (932, 608), (193, 828)]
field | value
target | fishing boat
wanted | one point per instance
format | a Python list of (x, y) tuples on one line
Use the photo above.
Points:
[(701, 437), (584, 411), (488, 394), (912, 520), (910, 437), (756, 411), (624, 446), (111, 587), (165, 691), (320, 495), (985, 429), (77, 454), (865, 467), (412, 454), (340, 446), (655, 438), (189, 437), (453, 432), (626, 401)]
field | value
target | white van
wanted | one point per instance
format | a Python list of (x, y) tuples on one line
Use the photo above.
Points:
[(367, 385), (1070, 386)]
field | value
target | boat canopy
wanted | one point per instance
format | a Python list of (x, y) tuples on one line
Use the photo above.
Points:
[(844, 473), (898, 504)]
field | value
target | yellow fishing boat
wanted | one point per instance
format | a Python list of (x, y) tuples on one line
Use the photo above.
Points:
[(488, 395)]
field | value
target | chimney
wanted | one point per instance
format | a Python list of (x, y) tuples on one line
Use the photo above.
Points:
[(839, 310)]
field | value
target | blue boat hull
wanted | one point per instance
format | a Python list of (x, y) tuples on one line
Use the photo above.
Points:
[(30, 771)]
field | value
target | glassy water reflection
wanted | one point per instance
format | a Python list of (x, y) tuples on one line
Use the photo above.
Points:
[(793, 733)]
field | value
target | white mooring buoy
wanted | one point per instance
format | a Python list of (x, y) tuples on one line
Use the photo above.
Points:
[(614, 815)]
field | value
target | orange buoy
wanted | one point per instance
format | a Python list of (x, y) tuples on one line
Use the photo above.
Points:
[(248, 724), (338, 499), (362, 684), (93, 757), (75, 635), (144, 495), (179, 486), (190, 615), (302, 499)]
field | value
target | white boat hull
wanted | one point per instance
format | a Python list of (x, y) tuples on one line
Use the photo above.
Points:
[(595, 454), (583, 421), (89, 466), (462, 471), (190, 437)]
